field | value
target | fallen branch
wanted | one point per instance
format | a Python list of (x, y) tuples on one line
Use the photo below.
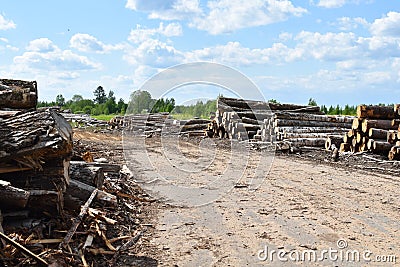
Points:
[(40, 261), (78, 220)]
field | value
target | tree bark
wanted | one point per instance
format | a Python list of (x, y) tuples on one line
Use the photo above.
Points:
[(12, 197), (16, 94), (313, 117), (377, 133), (90, 175), (379, 124), (376, 112), (335, 140), (282, 122)]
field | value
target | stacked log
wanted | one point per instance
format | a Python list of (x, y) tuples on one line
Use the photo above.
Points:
[(141, 123), (375, 129), (35, 148), (84, 121), (17, 95), (157, 123), (270, 122)]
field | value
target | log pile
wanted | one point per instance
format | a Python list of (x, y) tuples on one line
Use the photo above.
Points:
[(157, 123), (35, 147), (84, 121), (375, 129), (296, 125), (141, 123)]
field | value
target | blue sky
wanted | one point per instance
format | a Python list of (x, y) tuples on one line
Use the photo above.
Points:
[(336, 51)]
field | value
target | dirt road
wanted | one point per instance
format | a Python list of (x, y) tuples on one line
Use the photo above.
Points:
[(304, 213)]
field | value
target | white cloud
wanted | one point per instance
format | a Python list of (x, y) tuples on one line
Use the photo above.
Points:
[(166, 9), (329, 46), (87, 43), (154, 53), (6, 24), (389, 25), (230, 15), (42, 54), (331, 3), (140, 34), (41, 45), (348, 24)]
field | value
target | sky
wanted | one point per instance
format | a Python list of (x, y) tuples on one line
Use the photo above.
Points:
[(335, 51)]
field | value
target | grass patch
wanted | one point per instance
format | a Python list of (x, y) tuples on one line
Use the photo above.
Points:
[(183, 116), (104, 117)]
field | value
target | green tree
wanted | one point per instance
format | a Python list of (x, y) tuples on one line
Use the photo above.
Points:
[(312, 102), (76, 98), (139, 101), (60, 100), (100, 95)]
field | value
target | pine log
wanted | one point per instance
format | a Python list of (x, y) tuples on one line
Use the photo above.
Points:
[(356, 124), (344, 147), (282, 122), (107, 167), (394, 153), (376, 112), (377, 133), (90, 175), (380, 124), (234, 104), (16, 94), (193, 127), (12, 197), (82, 191), (194, 121), (396, 122), (335, 140), (307, 129), (307, 135), (312, 142), (391, 136), (381, 147), (313, 117)]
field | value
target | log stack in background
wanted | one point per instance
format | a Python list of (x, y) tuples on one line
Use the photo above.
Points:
[(296, 125), (375, 129), (157, 123)]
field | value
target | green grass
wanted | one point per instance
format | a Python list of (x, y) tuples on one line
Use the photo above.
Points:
[(104, 117), (183, 116)]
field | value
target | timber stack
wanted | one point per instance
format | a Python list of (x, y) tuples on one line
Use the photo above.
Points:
[(157, 123), (290, 124), (35, 148), (84, 121), (375, 129)]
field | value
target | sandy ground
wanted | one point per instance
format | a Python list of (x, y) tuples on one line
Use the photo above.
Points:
[(303, 208)]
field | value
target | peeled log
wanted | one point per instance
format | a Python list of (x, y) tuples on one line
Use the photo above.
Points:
[(377, 133), (335, 140), (380, 124), (376, 112), (16, 94), (12, 197)]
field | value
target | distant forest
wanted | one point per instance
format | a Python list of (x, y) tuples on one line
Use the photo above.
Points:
[(142, 102)]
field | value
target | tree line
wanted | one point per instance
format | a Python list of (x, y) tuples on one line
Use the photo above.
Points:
[(142, 102)]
